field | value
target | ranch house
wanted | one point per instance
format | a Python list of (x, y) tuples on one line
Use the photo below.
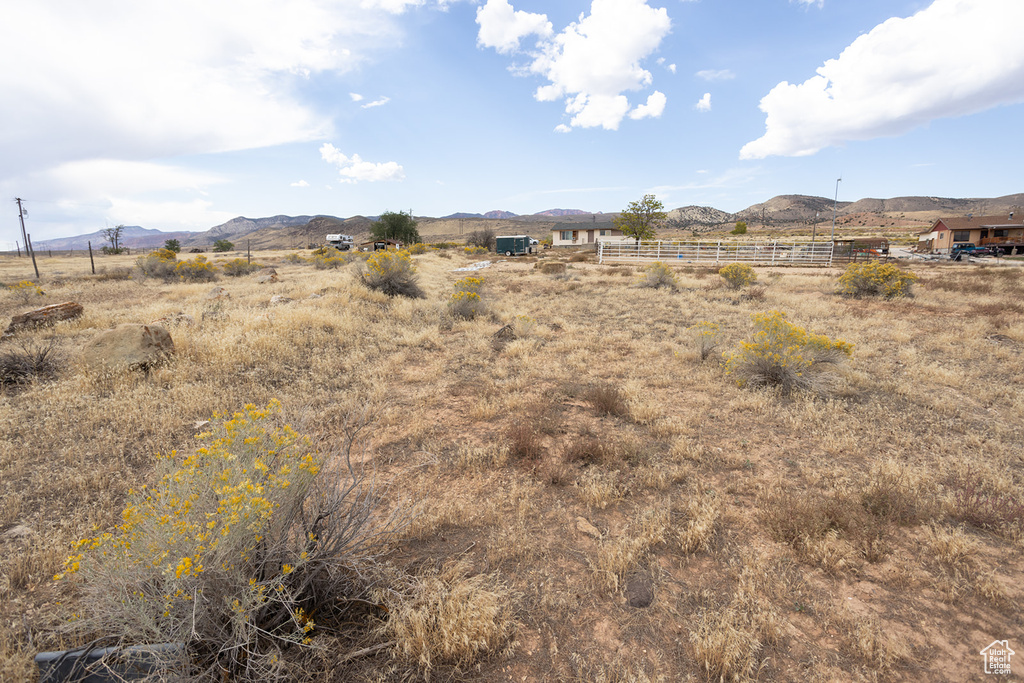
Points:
[(563, 236), (1005, 233)]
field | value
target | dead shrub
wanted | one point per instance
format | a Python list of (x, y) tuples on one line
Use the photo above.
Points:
[(755, 294), (895, 495), (552, 267), (823, 529), (587, 449), (29, 361), (115, 273), (448, 616), (581, 257), (607, 399), (658, 276), (976, 503), (524, 441)]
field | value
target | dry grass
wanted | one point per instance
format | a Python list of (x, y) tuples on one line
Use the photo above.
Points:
[(755, 516)]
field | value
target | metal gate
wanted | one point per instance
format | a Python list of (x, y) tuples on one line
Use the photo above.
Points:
[(791, 253)]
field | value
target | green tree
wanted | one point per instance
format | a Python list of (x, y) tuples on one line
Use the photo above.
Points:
[(223, 245), (172, 245), (640, 218), (113, 235), (396, 226), (740, 229)]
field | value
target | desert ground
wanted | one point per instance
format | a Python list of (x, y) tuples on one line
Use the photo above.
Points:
[(584, 496)]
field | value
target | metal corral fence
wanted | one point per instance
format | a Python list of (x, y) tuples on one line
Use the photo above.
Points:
[(762, 253)]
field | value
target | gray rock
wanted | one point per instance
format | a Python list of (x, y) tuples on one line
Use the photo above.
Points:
[(129, 345), (217, 293)]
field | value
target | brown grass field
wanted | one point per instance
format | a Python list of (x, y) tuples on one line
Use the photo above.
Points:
[(614, 508)]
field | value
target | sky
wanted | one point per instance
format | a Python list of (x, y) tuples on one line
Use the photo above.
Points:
[(182, 115)]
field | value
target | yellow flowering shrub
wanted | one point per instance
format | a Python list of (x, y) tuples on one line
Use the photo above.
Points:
[(875, 278), (393, 273), (239, 266), (227, 549), (197, 269), (466, 305), (418, 248), (474, 251), (785, 355), (470, 283), (738, 275), (159, 263), (26, 290)]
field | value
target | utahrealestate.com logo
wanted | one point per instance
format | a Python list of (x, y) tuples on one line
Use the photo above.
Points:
[(997, 657)]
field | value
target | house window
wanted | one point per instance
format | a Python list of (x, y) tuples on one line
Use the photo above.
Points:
[(1000, 233), (604, 233), (962, 236), (566, 236)]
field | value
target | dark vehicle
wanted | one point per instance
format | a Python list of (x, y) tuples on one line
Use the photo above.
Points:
[(967, 249), (514, 245)]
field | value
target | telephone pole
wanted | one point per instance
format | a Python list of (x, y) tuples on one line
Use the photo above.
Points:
[(21, 217)]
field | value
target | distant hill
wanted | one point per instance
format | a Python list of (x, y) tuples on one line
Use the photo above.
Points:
[(785, 210), (687, 216), (132, 236), (558, 213), (802, 208)]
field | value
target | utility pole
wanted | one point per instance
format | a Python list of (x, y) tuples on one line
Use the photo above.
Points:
[(835, 203), (21, 217), (814, 232)]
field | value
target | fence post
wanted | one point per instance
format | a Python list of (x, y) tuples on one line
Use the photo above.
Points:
[(32, 253), (91, 261)]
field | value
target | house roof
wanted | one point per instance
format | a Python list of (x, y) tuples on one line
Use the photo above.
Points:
[(973, 222)]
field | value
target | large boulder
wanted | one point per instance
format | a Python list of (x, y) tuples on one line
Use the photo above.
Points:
[(129, 345), (47, 315)]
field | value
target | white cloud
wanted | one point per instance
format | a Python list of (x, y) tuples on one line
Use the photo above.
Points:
[(653, 109), (502, 27), (353, 169), (954, 58), (300, 183), (819, 3), (78, 180), (716, 74), (153, 79), (356, 97), (704, 103), (672, 68), (376, 103), (590, 63)]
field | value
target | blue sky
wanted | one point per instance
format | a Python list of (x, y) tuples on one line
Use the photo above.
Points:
[(182, 115)]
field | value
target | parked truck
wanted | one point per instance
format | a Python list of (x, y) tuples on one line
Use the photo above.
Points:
[(340, 242), (514, 245)]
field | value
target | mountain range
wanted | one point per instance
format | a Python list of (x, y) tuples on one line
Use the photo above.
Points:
[(785, 210)]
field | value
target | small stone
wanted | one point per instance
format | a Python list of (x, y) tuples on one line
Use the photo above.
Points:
[(583, 526), (279, 299), (178, 318), (640, 590), (217, 293), (200, 424), (19, 532), (266, 275)]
